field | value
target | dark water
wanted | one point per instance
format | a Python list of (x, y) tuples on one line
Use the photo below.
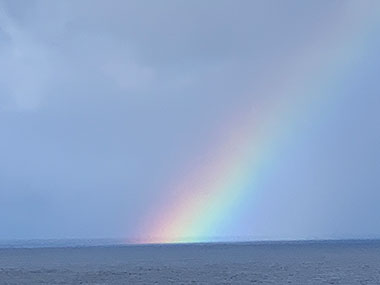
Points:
[(339, 262)]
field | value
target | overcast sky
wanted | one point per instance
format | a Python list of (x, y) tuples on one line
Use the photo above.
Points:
[(102, 103)]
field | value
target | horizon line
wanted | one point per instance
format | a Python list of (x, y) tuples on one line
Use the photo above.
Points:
[(38, 243)]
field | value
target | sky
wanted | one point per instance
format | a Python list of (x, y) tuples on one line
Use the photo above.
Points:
[(170, 121)]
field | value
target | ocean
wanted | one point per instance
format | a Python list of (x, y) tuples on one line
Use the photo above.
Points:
[(108, 262)]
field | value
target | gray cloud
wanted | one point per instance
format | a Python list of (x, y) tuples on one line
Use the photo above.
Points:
[(26, 66)]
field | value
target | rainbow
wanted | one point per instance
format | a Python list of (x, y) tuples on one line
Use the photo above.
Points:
[(199, 203)]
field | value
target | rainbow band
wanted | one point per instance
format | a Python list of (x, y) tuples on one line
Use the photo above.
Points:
[(207, 196)]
